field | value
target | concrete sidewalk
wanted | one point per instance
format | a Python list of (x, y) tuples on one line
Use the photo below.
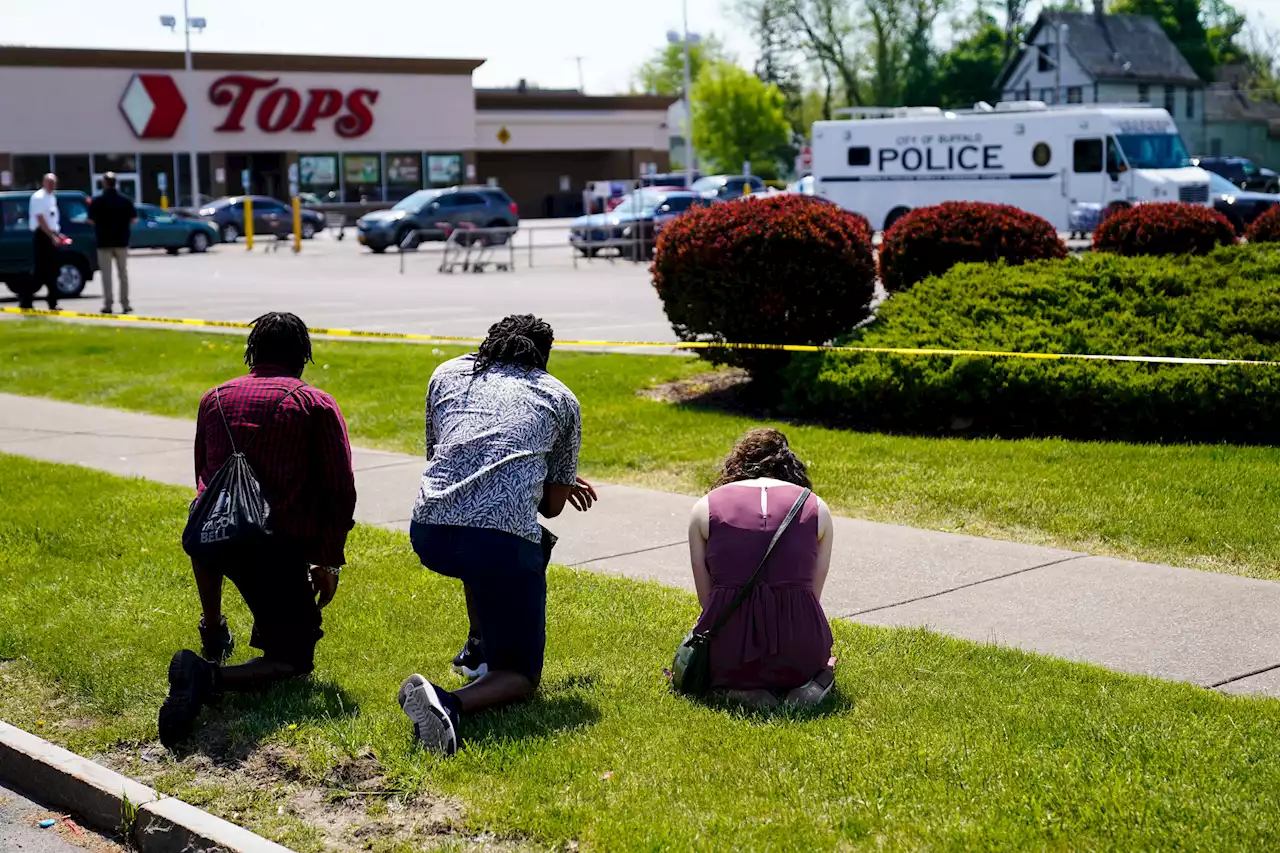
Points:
[(1214, 630)]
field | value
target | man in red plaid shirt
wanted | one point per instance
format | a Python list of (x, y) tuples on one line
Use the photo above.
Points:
[(295, 440)]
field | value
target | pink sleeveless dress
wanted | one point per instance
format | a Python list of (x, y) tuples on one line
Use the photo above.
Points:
[(779, 637)]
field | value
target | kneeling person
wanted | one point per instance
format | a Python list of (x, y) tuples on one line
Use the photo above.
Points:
[(295, 441), (502, 446)]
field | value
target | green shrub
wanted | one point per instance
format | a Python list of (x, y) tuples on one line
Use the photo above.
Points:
[(1225, 305), (780, 269)]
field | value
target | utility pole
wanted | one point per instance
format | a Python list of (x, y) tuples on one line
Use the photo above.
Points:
[(688, 110), (189, 23), (582, 84)]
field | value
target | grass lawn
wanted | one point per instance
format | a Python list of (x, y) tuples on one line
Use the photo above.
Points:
[(930, 743), (1209, 507)]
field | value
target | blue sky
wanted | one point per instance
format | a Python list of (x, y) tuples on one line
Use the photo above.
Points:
[(534, 39)]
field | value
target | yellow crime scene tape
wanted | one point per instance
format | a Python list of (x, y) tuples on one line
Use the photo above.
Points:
[(683, 345)]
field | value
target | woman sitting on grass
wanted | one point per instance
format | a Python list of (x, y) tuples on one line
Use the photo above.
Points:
[(776, 647)]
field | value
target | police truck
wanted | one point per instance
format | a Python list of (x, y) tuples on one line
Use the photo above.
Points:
[(1050, 161)]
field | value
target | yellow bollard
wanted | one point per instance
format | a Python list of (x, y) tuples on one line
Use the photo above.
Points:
[(248, 223), (164, 202), (297, 224)]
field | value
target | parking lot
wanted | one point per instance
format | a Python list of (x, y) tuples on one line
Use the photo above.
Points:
[(339, 284)]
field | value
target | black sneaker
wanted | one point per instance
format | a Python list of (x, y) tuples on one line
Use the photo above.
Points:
[(216, 643), (434, 713), (470, 662), (192, 683), (106, 309)]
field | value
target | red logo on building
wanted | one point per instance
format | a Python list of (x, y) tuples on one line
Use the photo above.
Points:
[(283, 108), (153, 106)]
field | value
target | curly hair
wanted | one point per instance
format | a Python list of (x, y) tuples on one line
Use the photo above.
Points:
[(521, 340), (278, 338), (763, 452)]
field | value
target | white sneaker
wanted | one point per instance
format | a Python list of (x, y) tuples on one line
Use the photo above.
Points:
[(433, 725)]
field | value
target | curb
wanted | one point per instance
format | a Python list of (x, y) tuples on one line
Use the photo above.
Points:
[(98, 795)]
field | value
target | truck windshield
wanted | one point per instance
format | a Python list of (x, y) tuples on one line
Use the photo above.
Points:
[(1154, 150)]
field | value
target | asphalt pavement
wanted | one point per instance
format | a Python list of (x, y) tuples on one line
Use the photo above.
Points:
[(1214, 630), (20, 830)]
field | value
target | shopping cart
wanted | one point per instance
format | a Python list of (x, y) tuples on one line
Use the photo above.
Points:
[(470, 251)]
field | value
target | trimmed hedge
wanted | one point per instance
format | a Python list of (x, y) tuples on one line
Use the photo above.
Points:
[(1266, 228), (1164, 228), (773, 269), (931, 240), (1223, 305)]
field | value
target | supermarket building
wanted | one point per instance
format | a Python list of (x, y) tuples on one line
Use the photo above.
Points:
[(355, 131)]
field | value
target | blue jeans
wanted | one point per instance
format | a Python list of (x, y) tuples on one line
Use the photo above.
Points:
[(507, 578)]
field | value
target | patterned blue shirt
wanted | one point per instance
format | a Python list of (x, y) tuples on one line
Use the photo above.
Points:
[(493, 440)]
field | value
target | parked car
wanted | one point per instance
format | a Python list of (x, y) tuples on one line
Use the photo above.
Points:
[(622, 199), (727, 187), (675, 180), (76, 263), (632, 226), (271, 218), (1242, 172), (433, 214), (160, 229), (1239, 206)]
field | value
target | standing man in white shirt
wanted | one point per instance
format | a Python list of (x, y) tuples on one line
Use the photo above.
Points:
[(46, 238)]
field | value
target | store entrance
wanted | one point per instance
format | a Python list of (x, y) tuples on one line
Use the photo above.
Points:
[(126, 184), (266, 174)]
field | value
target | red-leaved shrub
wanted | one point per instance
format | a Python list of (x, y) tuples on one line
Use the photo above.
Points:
[(1266, 228), (783, 269), (931, 240), (1164, 228)]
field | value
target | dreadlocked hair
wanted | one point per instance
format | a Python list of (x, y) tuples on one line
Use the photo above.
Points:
[(278, 338), (520, 340), (763, 453)]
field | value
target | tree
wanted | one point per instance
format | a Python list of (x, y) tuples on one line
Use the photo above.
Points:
[(1180, 19), (779, 59), (967, 72), (738, 117), (828, 34), (663, 74)]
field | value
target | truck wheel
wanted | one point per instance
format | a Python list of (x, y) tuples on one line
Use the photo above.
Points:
[(73, 274), (894, 215)]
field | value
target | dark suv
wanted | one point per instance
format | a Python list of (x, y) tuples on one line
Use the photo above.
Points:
[(434, 213), (1241, 172), (76, 263)]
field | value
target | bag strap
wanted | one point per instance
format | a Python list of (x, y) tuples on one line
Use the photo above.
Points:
[(751, 582), (217, 398)]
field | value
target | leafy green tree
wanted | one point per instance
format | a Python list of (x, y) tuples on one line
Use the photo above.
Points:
[(663, 73), (1181, 21), (967, 72), (738, 117)]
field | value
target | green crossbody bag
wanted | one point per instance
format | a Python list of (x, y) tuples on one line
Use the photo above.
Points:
[(691, 669)]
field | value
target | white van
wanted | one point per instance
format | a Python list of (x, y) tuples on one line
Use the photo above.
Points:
[(1048, 161)]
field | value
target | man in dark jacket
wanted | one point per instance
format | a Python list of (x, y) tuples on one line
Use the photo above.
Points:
[(112, 215)]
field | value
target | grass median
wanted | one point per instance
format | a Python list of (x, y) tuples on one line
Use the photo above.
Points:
[(1205, 506), (930, 742)]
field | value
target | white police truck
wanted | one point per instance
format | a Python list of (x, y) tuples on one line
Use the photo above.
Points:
[(1050, 161)]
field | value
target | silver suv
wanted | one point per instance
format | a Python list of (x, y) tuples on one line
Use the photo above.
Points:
[(432, 214)]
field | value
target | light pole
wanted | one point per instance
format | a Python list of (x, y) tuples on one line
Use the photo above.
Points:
[(685, 41), (188, 23)]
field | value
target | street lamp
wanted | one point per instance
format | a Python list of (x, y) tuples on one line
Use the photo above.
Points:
[(189, 24), (686, 40)]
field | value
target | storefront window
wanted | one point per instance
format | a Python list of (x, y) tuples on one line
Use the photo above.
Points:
[(73, 172), (444, 170), (29, 170), (126, 163), (318, 174), (362, 177), (404, 175), (181, 196), (153, 167)]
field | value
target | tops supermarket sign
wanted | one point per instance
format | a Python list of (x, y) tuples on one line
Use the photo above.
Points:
[(153, 106)]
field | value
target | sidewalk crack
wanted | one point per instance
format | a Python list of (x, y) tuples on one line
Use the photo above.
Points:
[(963, 586), (1236, 678), (628, 553)]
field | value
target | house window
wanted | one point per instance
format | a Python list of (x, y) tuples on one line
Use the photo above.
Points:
[(1144, 93), (1191, 102), (1046, 95), (1169, 93), (1044, 60), (1075, 95)]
